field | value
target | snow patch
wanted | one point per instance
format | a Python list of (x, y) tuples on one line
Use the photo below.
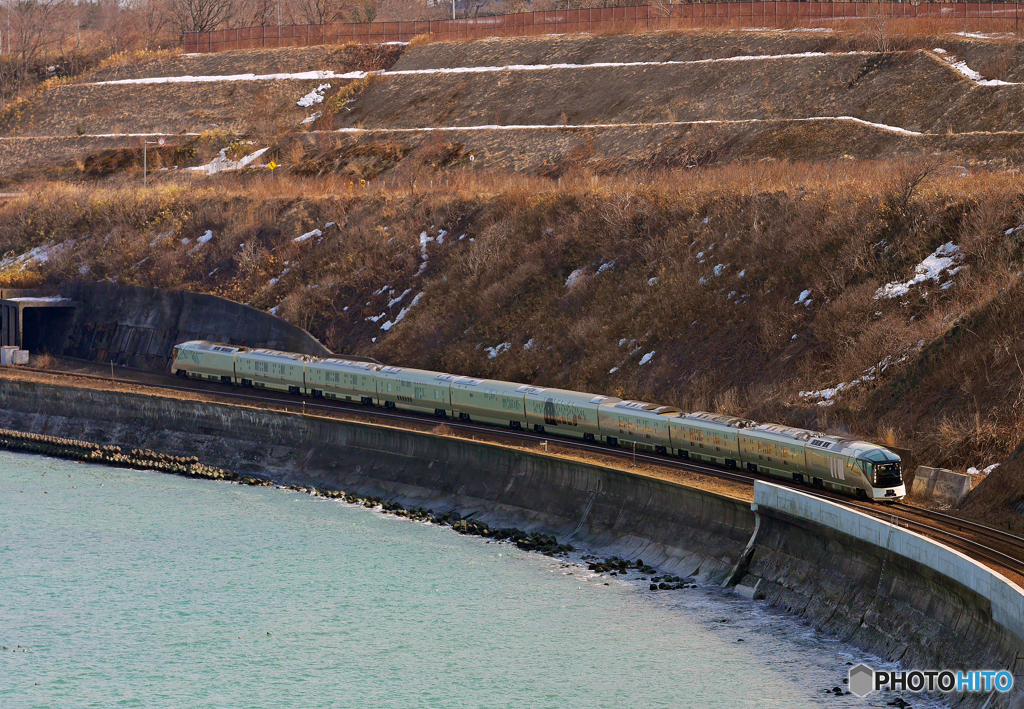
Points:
[(646, 358), (314, 96), (961, 68), (932, 268), (402, 313), (308, 235), (804, 299), (395, 301), (205, 238), (493, 352), (311, 118), (222, 163)]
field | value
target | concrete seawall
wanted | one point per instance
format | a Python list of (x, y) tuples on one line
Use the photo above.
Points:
[(879, 600), (886, 589)]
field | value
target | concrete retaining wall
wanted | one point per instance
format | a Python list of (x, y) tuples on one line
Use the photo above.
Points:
[(138, 327), (1005, 598), (885, 589), (940, 484)]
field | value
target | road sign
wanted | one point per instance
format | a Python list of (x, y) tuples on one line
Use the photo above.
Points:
[(272, 165), (160, 142)]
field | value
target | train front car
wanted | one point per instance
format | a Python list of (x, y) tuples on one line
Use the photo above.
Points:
[(200, 359), (883, 470)]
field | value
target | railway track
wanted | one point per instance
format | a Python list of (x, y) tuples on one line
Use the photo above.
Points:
[(995, 547)]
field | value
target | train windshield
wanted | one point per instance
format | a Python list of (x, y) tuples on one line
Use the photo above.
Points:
[(882, 467)]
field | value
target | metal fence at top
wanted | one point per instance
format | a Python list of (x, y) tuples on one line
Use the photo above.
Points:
[(999, 17)]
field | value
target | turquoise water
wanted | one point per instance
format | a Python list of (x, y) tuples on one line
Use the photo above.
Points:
[(135, 589)]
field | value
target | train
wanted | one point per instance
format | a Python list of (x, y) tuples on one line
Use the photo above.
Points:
[(844, 465)]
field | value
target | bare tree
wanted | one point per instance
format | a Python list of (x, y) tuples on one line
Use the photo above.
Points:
[(152, 21), (253, 13), (199, 15), (319, 12), (33, 27)]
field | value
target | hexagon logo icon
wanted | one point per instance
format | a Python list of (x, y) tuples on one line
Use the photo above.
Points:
[(862, 680)]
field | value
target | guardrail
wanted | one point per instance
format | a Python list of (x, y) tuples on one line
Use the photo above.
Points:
[(971, 15)]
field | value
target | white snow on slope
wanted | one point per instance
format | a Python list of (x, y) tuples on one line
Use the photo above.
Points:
[(205, 238), (222, 163), (321, 75), (646, 358), (309, 119), (942, 261), (827, 396), (402, 313), (493, 352), (314, 96), (456, 129), (804, 298), (961, 68), (37, 256), (308, 235), (398, 299)]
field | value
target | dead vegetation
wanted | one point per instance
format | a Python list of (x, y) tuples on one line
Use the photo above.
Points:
[(572, 281)]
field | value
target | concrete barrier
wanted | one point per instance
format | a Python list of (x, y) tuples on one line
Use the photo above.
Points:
[(1006, 598), (940, 484)]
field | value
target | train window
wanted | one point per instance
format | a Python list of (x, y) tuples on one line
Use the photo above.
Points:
[(389, 386)]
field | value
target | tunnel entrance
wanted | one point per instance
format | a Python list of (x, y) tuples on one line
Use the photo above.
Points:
[(36, 324), (46, 329)]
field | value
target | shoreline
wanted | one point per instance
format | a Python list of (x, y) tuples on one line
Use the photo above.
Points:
[(853, 590)]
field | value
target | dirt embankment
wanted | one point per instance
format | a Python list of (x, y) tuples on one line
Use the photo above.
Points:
[(914, 91), (348, 57)]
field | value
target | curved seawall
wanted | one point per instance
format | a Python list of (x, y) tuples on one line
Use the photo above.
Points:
[(876, 598)]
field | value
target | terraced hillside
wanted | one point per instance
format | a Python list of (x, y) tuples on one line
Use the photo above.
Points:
[(791, 226), (610, 102)]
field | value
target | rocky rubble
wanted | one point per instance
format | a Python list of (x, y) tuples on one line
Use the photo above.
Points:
[(137, 458)]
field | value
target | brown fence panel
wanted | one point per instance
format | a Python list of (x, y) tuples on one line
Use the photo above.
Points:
[(752, 14)]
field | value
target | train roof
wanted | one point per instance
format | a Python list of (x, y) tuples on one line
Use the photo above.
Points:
[(277, 354), (208, 346), (493, 386), (796, 434), (644, 406), (333, 362), (720, 419), (420, 375), (564, 394)]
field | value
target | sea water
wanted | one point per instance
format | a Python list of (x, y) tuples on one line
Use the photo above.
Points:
[(122, 588)]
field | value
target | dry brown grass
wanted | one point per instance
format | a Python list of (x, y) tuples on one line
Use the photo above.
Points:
[(725, 344)]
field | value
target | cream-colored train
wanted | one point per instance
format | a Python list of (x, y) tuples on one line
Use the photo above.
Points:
[(848, 466)]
